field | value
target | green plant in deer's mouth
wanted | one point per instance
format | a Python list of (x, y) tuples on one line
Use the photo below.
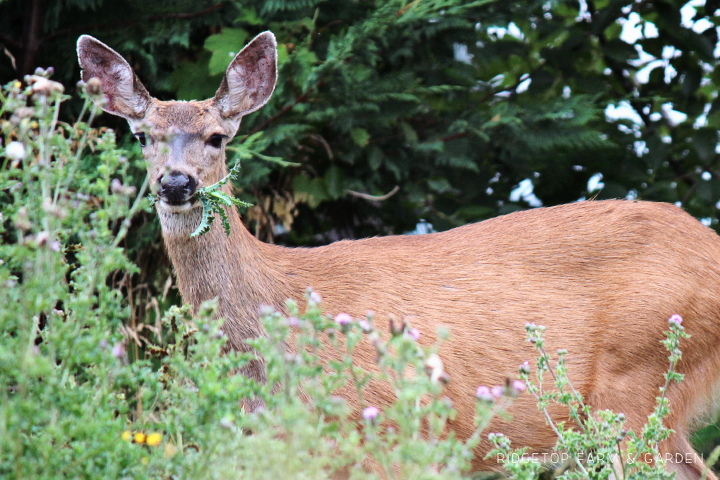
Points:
[(214, 201)]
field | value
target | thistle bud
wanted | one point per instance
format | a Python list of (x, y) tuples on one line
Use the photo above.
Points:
[(93, 87)]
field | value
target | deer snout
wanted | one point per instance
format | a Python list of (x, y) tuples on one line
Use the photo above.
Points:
[(176, 188)]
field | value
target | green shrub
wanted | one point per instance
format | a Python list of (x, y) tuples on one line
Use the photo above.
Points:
[(86, 393)]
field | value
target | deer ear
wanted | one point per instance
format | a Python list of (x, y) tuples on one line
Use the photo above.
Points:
[(125, 96), (250, 78)]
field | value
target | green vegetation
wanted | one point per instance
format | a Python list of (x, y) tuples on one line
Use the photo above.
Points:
[(454, 103)]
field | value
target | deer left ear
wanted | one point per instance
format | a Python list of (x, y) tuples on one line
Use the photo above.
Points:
[(250, 78), (125, 95)]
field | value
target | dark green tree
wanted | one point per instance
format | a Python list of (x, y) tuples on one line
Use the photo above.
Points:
[(437, 98)]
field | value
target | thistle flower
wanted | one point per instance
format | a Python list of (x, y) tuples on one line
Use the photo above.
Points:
[(519, 386), (43, 86), (483, 393), (370, 414), (497, 392), (15, 150), (675, 320), (118, 351), (343, 319), (433, 362), (414, 333)]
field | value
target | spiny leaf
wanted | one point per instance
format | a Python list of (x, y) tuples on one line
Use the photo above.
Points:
[(224, 218), (214, 201), (208, 216)]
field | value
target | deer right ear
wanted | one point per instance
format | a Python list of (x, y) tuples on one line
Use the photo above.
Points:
[(124, 94), (249, 79)]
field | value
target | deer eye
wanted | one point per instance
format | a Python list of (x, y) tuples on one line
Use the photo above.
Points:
[(215, 140), (141, 138)]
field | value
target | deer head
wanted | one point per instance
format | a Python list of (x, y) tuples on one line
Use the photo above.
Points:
[(183, 142)]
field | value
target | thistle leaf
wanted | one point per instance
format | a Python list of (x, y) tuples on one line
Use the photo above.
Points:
[(208, 216), (224, 219), (214, 201)]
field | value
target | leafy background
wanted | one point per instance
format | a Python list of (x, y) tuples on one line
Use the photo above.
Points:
[(470, 109)]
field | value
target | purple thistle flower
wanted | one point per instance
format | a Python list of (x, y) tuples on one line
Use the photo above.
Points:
[(519, 386), (365, 325), (343, 319), (483, 393), (315, 297), (118, 351), (414, 333), (497, 392), (675, 320), (370, 414)]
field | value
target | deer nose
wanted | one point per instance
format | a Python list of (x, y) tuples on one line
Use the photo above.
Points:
[(177, 188)]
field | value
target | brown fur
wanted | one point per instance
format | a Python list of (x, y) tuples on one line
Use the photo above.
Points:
[(603, 277)]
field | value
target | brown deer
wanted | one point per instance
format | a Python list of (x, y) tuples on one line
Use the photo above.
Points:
[(603, 277)]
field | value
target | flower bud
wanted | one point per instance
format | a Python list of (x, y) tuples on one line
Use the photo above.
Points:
[(413, 333), (93, 87), (42, 86), (313, 296), (439, 376), (524, 368)]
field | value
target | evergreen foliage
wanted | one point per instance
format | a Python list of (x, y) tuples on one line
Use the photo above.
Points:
[(454, 102)]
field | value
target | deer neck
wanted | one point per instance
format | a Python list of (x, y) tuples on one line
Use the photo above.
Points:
[(238, 270)]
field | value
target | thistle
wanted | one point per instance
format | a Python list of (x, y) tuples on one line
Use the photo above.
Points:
[(213, 201)]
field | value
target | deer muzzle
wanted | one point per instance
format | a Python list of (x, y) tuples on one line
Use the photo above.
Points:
[(177, 188)]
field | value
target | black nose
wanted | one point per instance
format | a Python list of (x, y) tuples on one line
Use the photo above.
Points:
[(176, 188)]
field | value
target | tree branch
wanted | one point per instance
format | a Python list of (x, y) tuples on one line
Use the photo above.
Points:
[(282, 112), (127, 23), (374, 198), (10, 41)]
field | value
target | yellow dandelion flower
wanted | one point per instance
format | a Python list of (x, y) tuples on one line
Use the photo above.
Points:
[(145, 460), (139, 437), (126, 436), (154, 439)]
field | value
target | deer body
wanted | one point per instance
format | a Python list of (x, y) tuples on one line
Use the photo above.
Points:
[(603, 277)]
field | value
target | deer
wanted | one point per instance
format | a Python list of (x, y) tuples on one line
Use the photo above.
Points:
[(602, 276)]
